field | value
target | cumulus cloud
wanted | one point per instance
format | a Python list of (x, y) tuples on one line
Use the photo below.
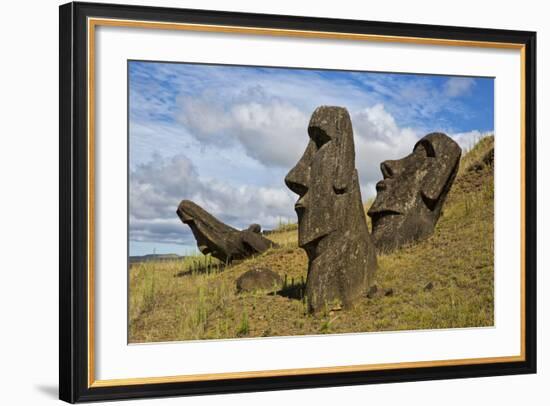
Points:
[(275, 133), (378, 138), (269, 129), (157, 187)]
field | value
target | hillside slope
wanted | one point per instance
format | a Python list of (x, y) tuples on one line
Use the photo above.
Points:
[(445, 281)]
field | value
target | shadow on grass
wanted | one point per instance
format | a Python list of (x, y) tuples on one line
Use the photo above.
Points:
[(293, 291)]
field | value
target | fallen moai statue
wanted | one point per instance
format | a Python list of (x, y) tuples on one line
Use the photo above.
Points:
[(220, 240)]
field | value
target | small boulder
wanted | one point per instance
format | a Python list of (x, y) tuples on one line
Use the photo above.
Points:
[(259, 279), (429, 286)]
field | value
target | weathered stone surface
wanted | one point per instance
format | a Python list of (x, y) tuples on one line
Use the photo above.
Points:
[(218, 239), (259, 279), (409, 199), (332, 225)]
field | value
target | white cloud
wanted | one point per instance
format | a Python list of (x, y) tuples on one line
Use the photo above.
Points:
[(458, 86), (269, 129), (275, 133), (157, 187), (467, 140), (378, 138)]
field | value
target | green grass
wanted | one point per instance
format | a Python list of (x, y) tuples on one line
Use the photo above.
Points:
[(196, 298)]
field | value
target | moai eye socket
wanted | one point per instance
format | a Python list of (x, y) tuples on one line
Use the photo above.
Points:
[(319, 137), (427, 147)]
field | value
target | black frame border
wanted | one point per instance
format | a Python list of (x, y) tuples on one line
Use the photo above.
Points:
[(73, 202)]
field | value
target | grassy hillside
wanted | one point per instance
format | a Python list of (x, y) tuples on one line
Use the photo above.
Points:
[(445, 281)]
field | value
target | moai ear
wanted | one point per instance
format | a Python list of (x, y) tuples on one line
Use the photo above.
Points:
[(440, 174), (345, 166), (444, 156)]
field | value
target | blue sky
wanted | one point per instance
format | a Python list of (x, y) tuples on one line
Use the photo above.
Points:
[(225, 136)]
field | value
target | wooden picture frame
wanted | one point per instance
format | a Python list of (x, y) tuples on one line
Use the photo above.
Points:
[(78, 22)]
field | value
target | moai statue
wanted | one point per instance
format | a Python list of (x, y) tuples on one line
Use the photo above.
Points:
[(220, 240), (332, 226), (410, 197)]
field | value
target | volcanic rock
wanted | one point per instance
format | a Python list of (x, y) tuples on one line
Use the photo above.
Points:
[(259, 279)]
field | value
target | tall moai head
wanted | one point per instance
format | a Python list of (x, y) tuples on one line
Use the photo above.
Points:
[(332, 226), (410, 197)]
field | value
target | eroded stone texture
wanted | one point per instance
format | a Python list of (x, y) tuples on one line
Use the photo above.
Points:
[(218, 239), (332, 226), (410, 197), (259, 279)]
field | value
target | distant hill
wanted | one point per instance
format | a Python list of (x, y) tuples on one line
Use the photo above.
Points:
[(155, 257)]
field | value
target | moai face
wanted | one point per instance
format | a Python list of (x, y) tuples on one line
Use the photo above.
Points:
[(410, 197), (324, 174), (210, 233)]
